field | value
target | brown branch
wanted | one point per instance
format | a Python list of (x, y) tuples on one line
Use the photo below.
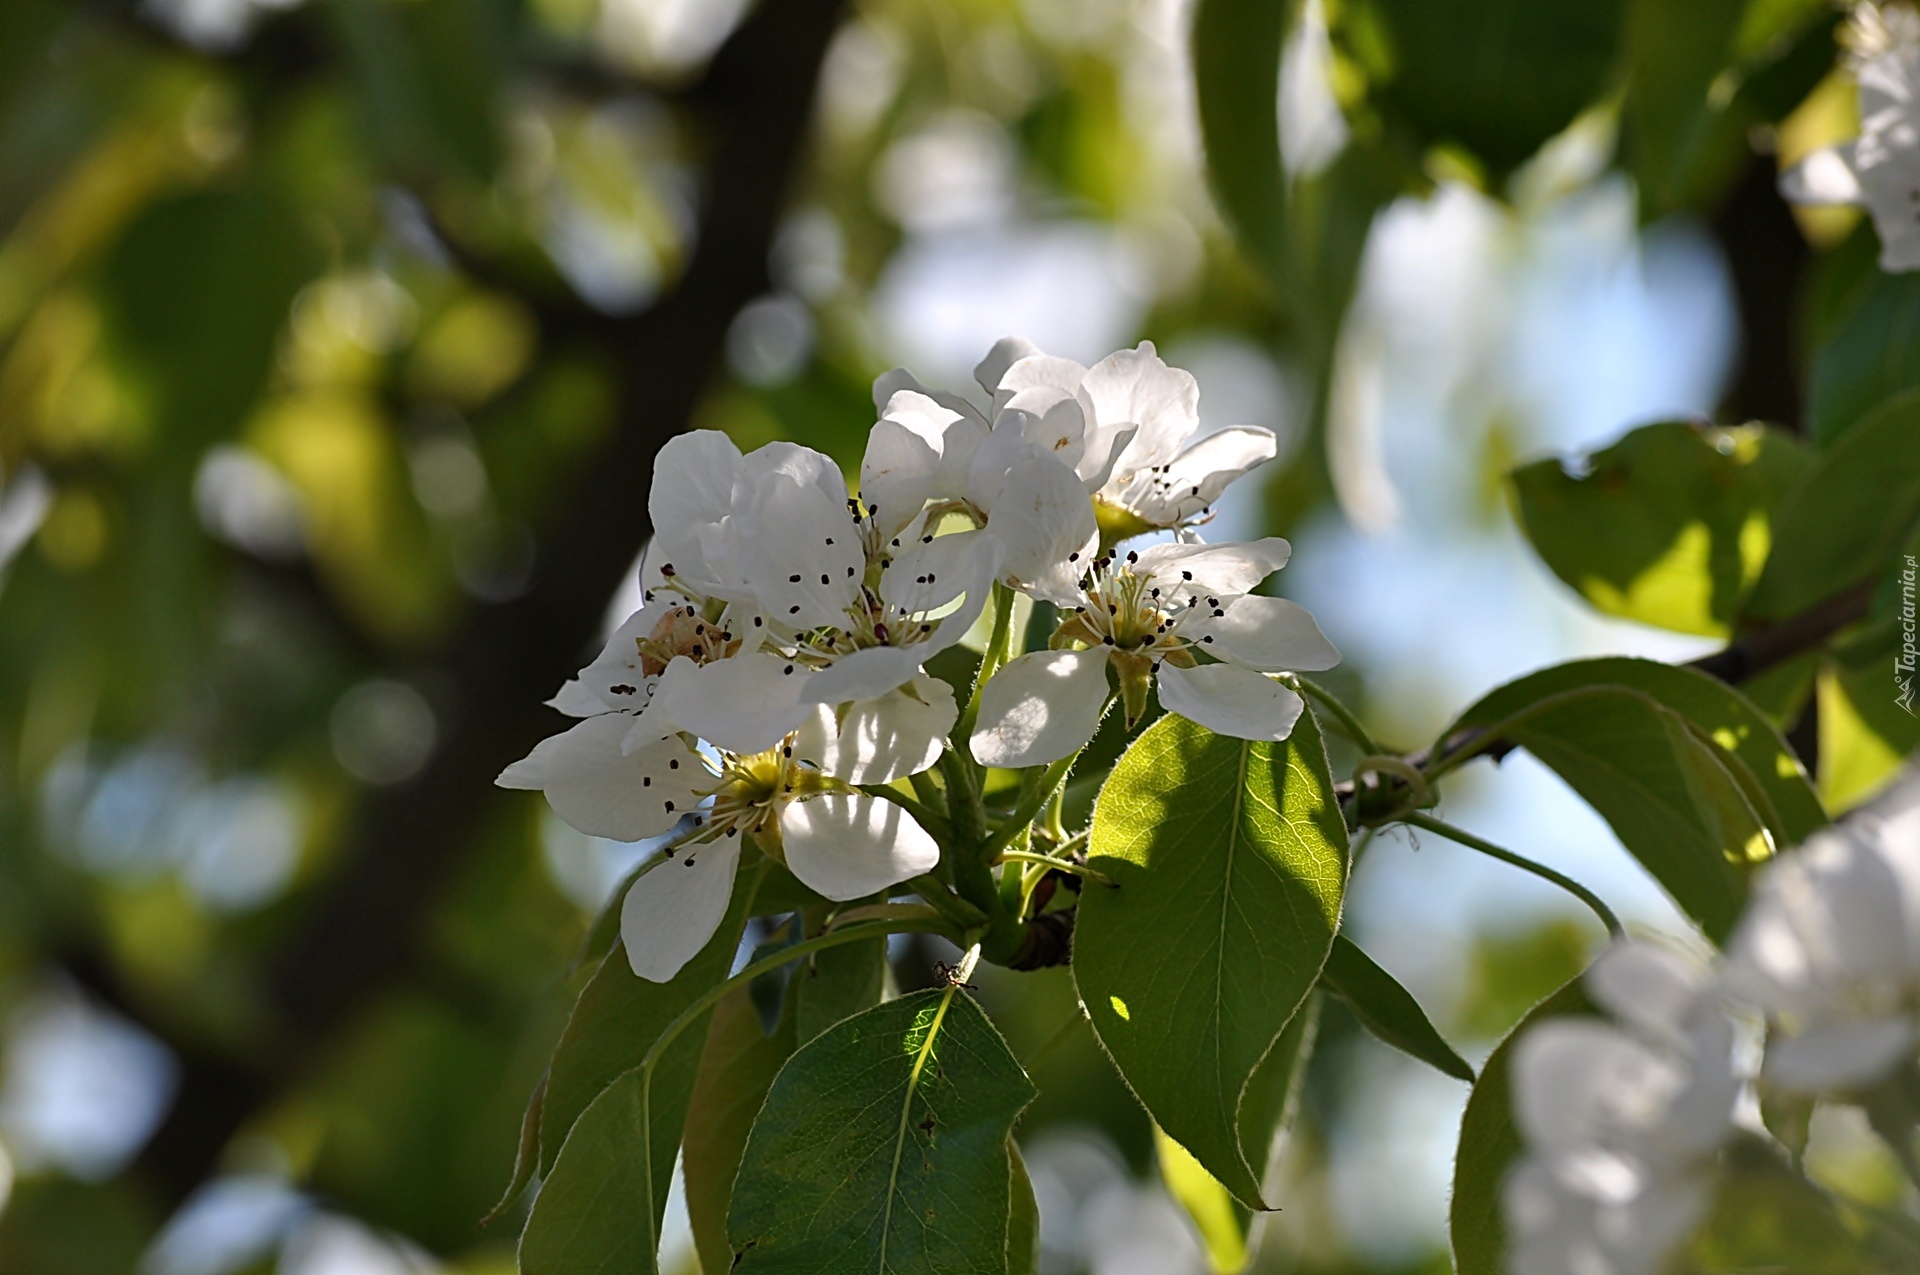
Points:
[(1741, 660), (363, 933)]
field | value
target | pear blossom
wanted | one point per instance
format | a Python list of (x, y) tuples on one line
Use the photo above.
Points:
[(1829, 950), (813, 579), (1128, 426), (1154, 613), (798, 801), (1879, 170), (1621, 1119)]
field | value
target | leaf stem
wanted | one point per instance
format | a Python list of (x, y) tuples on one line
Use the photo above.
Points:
[(1349, 724), (941, 830), (999, 648), (1032, 798), (1058, 865), (1417, 820)]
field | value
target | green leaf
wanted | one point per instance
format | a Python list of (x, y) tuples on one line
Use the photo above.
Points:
[(196, 293), (883, 1147), (1023, 1222), (1389, 1010), (1847, 519), (1229, 859), (618, 1017), (526, 1155), (1489, 1144), (422, 73), (1669, 526), (1765, 1216), (1236, 69), (1498, 77), (837, 984), (614, 1167), (736, 1070), (1267, 1111), (1790, 806), (1676, 125), (1667, 793), (1866, 733), (1221, 1220), (1273, 1092), (1871, 354)]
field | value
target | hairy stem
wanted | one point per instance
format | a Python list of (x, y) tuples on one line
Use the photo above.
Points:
[(1541, 870)]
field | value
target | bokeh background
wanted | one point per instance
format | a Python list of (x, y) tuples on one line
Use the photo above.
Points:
[(335, 342)]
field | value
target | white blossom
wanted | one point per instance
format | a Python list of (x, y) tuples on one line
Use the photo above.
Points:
[(1879, 170), (1621, 1120), (1152, 614), (1127, 426), (1829, 950), (796, 800)]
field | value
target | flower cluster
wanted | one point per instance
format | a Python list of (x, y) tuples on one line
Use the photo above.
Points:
[(1622, 1121), (1879, 170), (775, 681)]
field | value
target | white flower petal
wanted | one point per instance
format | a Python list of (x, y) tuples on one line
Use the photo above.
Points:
[(877, 741), (615, 681), (890, 383), (928, 575), (745, 704), (1649, 985), (1049, 419), (1823, 177), (1007, 351), (801, 552), (1229, 700), (900, 468), (1035, 370), (1225, 570), (1044, 520), (863, 675), (1582, 1081), (1135, 386), (673, 909), (1269, 634), (605, 792), (1195, 478), (1040, 707), (694, 482), (847, 846), (1833, 1057)]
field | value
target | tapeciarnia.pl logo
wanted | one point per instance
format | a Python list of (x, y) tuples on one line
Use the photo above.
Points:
[(1903, 663)]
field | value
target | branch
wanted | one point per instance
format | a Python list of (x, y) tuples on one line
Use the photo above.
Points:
[(1746, 657)]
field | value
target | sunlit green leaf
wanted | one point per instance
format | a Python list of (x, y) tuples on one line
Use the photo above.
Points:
[(1791, 807), (1221, 1220), (883, 1147), (1489, 1144), (1668, 526), (1765, 1216), (1868, 723), (1389, 1010), (1229, 861)]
